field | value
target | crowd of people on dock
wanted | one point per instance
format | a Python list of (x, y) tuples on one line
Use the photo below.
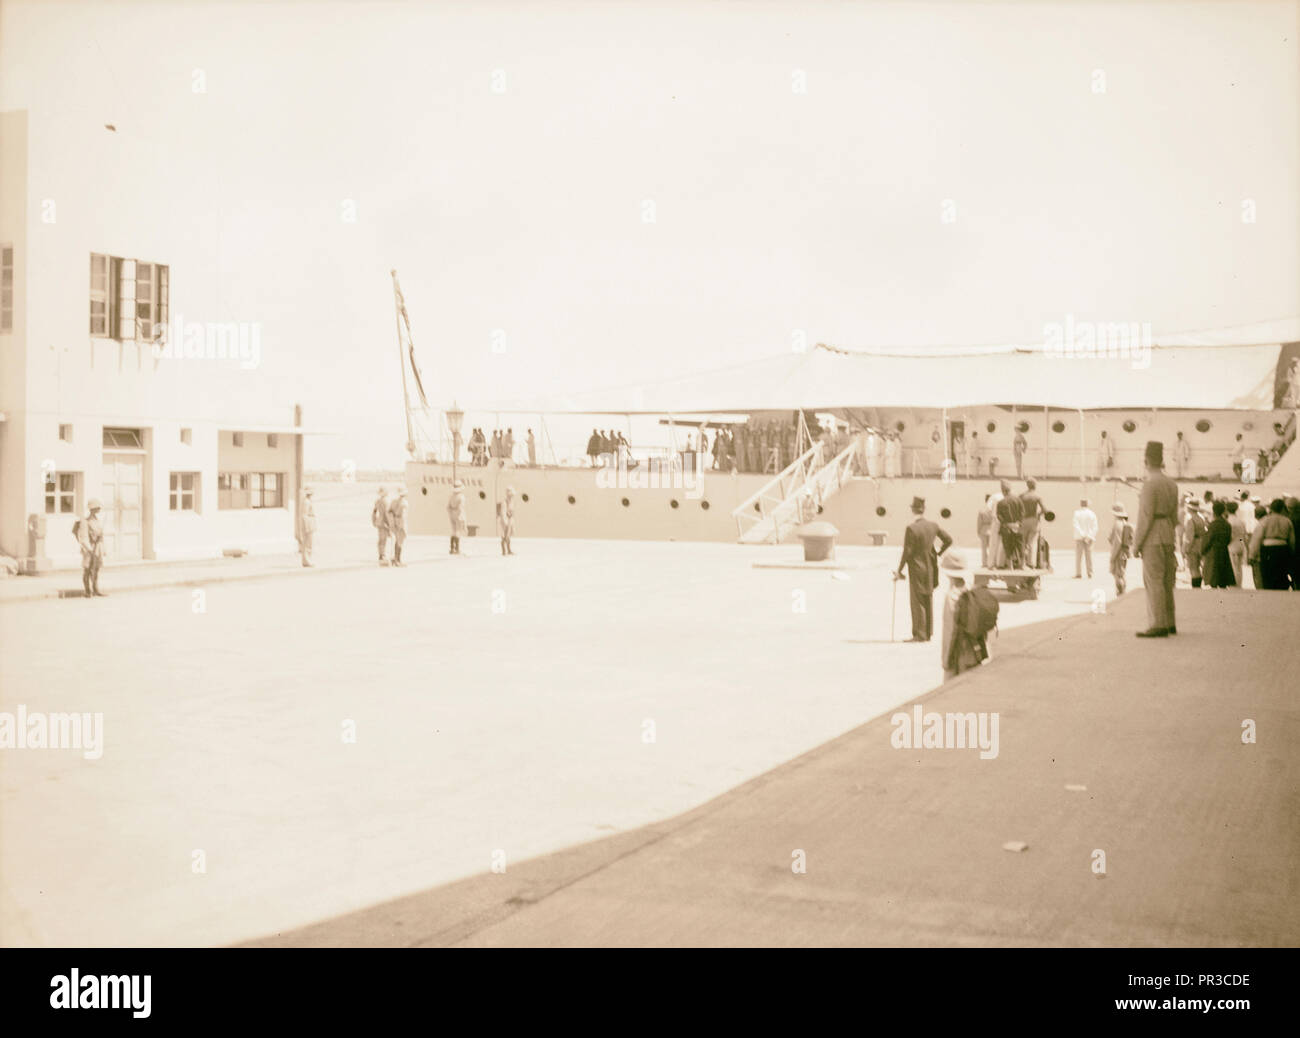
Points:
[(1220, 541)]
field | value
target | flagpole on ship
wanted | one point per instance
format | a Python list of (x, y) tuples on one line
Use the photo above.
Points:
[(401, 359)]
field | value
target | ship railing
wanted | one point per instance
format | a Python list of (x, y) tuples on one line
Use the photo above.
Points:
[(796, 494)]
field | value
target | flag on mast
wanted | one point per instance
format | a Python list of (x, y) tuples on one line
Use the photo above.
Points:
[(410, 342)]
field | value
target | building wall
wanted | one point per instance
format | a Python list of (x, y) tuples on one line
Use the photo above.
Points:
[(13, 345), (55, 372)]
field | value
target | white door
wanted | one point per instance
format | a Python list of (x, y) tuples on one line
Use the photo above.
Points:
[(123, 506)]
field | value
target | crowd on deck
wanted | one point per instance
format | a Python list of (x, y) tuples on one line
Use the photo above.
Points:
[(500, 447)]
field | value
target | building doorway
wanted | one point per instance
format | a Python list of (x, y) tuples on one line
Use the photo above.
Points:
[(123, 490)]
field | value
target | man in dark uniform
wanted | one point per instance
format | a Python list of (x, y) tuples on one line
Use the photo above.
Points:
[(1153, 543), (922, 565), (1010, 511)]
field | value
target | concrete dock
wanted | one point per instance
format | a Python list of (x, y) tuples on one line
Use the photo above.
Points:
[(1107, 744)]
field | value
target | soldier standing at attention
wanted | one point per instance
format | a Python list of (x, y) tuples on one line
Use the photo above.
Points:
[(90, 536), (922, 565), (397, 524), (456, 515), (379, 520), (1153, 543), (306, 527)]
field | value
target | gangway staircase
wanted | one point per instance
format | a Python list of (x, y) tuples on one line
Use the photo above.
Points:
[(793, 496)]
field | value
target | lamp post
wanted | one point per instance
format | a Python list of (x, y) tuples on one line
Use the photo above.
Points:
[(454, 417)]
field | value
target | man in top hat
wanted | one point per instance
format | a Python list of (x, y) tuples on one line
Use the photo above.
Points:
[(456, 515), (90, 536), (397, 524), (306, 527), (1153, 543), (1121, 544), (379, 519), (922, 565)]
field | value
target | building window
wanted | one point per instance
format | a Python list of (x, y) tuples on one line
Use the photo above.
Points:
[(123, 439), (6, 288), (184, 492), (61, 493), (65, 433), (237, 439), (187, 436), (128, 299), (250, 490), (101, 295)]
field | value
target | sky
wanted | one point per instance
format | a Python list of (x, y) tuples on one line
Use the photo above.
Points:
[(580, 195)]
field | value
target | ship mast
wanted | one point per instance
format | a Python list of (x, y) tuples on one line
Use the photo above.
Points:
[(398, 307)]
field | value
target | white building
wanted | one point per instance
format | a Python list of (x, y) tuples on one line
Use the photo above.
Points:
[(126, 372)]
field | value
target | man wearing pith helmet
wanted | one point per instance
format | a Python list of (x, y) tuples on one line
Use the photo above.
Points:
[(90, 536)]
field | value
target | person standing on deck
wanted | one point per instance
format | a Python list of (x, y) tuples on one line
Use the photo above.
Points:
[(922, 565), (1105, 455), (532, 450), (1182, 455), (1153, 543), (1018, 447)]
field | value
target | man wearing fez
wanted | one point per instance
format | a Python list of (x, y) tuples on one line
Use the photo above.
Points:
[(922, 565), (1153, 543)]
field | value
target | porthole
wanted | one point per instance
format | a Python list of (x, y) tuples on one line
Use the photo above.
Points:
[(880, 510), (626, 502), (945, 513), (704, 505), (572, 500), (424, 491), (1203, 425), (1050, 516), (673, 502), (1022, 427), (482, 495), (992, 426), (525, 497), (1130, 425), (819, 509), (899, 426), (1058, 427)]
